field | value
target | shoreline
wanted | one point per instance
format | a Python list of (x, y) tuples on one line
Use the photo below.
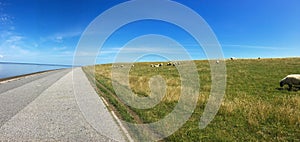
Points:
[(2, 80), (60, 65)]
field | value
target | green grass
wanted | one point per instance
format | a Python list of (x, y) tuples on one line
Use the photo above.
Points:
[(253, 109)]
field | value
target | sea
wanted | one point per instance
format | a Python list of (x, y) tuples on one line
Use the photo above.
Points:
[(8, 69)]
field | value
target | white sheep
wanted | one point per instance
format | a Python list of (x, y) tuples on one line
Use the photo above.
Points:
[(158, 65), (291, 80)]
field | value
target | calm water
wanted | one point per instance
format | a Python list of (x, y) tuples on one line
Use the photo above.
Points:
[(15, 69)]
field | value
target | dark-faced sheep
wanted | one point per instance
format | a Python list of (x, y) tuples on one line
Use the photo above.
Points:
[(158, 65), (291, 80)]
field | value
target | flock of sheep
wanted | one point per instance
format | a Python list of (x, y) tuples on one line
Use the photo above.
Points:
[(292, 80), (161, 64)]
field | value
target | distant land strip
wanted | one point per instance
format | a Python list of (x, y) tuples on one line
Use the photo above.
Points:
[(23, 75), (40, 64)]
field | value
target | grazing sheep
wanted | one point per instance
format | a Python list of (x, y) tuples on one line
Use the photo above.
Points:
[(217, 62), (258, 58), (291, 80), (175, 63), (158, 65), (115, 66), (169, 64)]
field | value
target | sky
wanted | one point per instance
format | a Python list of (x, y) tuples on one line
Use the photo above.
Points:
[(48, 31)]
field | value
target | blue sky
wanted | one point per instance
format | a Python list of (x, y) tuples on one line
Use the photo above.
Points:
[(47, 31)]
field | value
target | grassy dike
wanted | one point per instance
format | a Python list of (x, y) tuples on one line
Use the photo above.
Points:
[(254, 107)]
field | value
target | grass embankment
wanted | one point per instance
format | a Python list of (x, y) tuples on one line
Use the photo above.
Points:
[(254, 108)]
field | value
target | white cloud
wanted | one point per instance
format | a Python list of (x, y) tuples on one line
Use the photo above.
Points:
[(5, 19), (60, 37), (1, 56), (14, 39), (60, 48), (12, 44)]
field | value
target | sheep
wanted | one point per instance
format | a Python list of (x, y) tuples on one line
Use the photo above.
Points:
[(175, 64), (217, 62), (169, 64), (291, 80), (158, 65), (116, 66)]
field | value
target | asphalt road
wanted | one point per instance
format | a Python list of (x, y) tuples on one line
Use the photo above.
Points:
[(43, 107)]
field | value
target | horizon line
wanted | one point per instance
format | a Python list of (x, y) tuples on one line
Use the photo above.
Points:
[(45, 64)]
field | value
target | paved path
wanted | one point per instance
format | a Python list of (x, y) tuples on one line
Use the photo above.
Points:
[(45, 109)]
